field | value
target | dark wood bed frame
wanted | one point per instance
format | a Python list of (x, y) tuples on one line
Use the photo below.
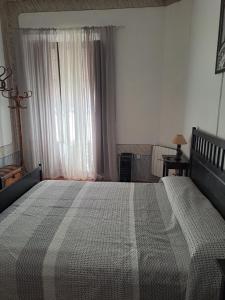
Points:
[(14, 191), (208, 167), (207, 162)]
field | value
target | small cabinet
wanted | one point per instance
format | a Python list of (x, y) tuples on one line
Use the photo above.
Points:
[(9, 175), (171, 163)]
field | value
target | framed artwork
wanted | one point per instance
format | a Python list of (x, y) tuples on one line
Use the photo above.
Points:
[(220, 58)]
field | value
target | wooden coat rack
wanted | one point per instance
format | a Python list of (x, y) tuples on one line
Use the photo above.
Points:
[(5, 73), (18, 99)]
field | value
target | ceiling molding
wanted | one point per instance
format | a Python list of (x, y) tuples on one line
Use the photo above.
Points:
[(41, 5)]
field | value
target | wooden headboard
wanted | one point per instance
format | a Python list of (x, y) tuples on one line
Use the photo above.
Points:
[(208, 167)]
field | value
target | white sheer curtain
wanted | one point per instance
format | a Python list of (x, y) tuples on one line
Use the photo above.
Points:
[(58, 126), (75, 117)]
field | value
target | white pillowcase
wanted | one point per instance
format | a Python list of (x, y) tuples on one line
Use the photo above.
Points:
[(204, 230)]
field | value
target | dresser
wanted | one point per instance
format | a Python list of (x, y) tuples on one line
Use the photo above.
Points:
[(9, 175)]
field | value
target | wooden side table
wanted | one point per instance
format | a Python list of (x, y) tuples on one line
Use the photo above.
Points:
[(170, 163), (9, 175), (221, 263)]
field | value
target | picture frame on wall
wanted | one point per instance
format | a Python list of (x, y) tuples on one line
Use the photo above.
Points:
[(220, 57)]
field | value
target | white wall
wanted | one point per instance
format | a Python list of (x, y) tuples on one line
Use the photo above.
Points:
[(166, 80), (176, 51), (221, 125), (203, 86), (191, 88), (139, 56), (5, 123)]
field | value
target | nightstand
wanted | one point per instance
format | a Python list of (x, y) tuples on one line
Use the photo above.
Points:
[(170, 163), (221, 263)]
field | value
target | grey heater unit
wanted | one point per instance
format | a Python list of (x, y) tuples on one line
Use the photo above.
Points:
[(125, 167)]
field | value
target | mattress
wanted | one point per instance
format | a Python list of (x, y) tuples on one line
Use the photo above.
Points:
[(89, 240)]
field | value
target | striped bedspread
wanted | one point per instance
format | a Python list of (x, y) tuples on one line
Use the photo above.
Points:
[(94, 241)]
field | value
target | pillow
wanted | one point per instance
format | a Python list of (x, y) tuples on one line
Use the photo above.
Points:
[(204, 230)]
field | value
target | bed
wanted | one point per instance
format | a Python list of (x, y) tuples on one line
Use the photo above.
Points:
[(122, 241)]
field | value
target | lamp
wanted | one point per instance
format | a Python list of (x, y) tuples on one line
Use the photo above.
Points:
[(179, 140)]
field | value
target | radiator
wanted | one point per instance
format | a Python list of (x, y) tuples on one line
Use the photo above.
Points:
[(125, 167), (141, 168), (157, 161)]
